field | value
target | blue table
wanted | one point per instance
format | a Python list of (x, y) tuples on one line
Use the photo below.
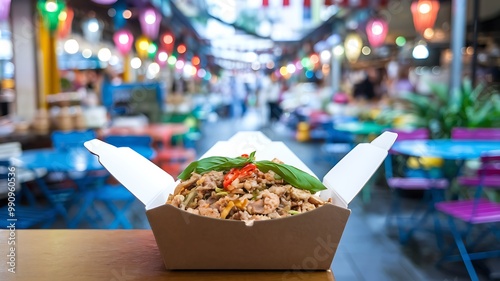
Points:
[(446, 149), (73, 160), (79, 165)]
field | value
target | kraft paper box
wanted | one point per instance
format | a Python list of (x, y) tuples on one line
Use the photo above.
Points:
[(307, 241)]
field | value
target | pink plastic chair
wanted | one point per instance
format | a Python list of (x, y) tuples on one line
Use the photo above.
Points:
[(478, 210), (400, 183), (475, 133)]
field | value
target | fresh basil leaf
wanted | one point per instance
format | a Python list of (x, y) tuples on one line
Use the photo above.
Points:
[(252, 156), (292, 175), (214, 163)]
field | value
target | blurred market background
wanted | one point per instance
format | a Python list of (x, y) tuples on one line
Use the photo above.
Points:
[(170, 78)]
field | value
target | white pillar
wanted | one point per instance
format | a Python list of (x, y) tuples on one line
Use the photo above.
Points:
[(336, 72), (25, 58), (458, 30)]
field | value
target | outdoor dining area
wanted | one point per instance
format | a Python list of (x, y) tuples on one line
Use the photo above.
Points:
[(64, 182), (250, 140), (444, 187)]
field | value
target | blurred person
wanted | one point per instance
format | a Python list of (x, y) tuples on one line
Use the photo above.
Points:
[(239, 95), (274, 94), (364, 90), (380, 81), (402, 85)]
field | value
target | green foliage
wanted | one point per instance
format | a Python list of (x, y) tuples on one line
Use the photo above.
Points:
[(468, 107)]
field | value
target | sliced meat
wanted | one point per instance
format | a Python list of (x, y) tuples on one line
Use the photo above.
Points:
[(299, 194), (177, 201), (189, 183)]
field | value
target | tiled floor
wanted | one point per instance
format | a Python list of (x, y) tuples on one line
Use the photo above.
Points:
[(369, 249)]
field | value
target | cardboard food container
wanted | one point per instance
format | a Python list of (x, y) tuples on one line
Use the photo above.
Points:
[(307, 241)]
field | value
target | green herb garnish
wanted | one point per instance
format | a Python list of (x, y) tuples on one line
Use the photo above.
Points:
[(215, 163), (290, 174)]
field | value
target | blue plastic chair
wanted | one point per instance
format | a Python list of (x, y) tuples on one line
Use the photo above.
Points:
[(72, 139), (21, 215), (337, 143), (127, 141), (60, 189)]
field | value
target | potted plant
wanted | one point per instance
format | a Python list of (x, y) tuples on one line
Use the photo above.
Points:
[(468, 107)]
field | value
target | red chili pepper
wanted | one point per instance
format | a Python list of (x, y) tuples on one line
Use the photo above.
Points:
[(234, 173), (249, 168), (244, 155), (230, 177)]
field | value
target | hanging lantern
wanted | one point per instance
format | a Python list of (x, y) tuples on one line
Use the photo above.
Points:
[(150, 20), (92, 30), (167, 42), (65, 22), (424, 14), (4, 9), (141, 47), (265, 3), (376, 30), (286, 3), (105, 2), (123, 41), (50, 10), (352, 47)]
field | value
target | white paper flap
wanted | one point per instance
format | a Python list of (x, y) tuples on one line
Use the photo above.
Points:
[(249, 140), (348, 177), (139, 175)]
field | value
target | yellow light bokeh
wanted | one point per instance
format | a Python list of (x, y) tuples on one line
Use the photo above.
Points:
[(428, 33), (283, 71)]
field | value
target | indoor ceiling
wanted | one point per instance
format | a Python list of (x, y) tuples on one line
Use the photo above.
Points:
[(240, 29), (247, 25)]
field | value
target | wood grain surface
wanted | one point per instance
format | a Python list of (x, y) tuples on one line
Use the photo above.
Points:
[(112, 255)]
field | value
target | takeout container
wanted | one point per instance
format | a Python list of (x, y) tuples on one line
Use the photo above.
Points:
[(187, 241)]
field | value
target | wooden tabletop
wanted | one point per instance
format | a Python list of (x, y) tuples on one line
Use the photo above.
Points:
[(112, 255)]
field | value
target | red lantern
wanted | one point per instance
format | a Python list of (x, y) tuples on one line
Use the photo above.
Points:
[(167, 42), (265, 3), (376, 30), (65, 22), (424, 14), (328, 2), (286, 3), (307, 3)]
